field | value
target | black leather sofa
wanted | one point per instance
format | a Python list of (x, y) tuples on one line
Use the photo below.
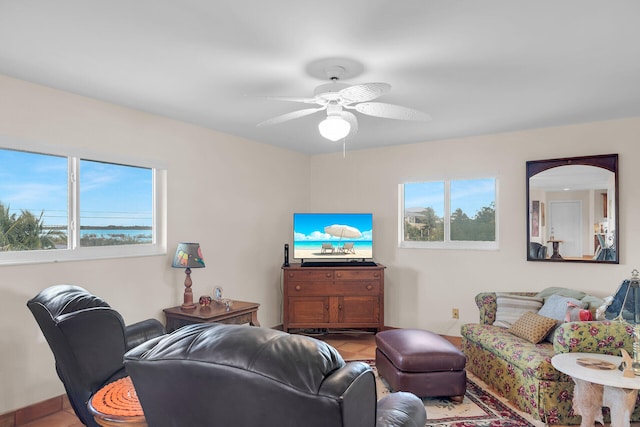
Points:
[(234, 375), (88, 340)]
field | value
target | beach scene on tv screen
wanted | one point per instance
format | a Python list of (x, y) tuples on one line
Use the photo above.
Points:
[(332, 236)]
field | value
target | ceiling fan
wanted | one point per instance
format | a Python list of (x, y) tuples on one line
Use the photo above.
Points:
[(336, 97)]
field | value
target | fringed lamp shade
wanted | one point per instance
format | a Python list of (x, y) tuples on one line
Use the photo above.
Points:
[(626, 307), (188, 256)]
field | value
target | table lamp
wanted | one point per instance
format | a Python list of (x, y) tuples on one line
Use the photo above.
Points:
[(626, 307), (188, 256)]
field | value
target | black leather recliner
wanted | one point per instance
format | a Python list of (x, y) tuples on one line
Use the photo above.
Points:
[(537, 251), (88, 340), (235, 375)]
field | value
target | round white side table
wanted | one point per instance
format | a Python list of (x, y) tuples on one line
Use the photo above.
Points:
[(598, 386)]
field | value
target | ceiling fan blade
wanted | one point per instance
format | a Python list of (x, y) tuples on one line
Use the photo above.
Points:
[(390, 111), (364, 92), (292, 99), (352, 120), (290, 116)]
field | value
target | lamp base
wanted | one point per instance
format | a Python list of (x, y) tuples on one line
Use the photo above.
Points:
[(636, 350), (188, 303)]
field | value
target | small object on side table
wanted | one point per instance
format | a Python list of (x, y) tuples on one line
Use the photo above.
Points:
[(627, 364)]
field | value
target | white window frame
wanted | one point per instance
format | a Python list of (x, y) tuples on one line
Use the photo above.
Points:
[(75, 252), (447, 243)]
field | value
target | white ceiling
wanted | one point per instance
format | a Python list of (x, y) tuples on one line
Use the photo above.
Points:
[(477, 67), (572, 177)]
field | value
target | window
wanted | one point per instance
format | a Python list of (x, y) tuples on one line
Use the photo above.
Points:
[(449, 214), (116, 204), (59, 207)]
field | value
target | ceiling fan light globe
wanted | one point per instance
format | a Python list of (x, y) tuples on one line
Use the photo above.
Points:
[(334, 128)]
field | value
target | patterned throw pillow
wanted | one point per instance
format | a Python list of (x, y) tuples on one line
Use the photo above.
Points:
[(511, 307), (532, 327)]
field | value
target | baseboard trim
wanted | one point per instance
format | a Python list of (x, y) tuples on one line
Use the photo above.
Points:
[(33, 412)]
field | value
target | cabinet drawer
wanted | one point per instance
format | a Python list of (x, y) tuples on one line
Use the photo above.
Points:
[(295, 289), (357, 288), (323, 288), (305, 275), (357, 274)]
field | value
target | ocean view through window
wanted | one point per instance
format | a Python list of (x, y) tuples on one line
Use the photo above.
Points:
[(116, 204), (55, 207), (456, 214)]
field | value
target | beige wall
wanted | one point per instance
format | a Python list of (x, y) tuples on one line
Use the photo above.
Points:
[(423, 285), (223, 192), (227, 193)]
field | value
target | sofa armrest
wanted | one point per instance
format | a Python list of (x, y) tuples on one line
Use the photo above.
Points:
[(140, 332), (354, 385), (486, 302), (606, 337), (401, 409)]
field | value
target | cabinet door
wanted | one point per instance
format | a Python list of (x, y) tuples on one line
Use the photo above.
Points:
[(304, 310), (359, 309)]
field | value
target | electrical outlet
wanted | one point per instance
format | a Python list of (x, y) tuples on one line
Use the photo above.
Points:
[(455, 313)]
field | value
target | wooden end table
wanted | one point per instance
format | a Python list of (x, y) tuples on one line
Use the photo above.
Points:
[(240, 312), (556, 249), (597, 386)]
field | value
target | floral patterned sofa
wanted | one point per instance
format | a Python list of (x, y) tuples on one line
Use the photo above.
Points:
[(522, 372)]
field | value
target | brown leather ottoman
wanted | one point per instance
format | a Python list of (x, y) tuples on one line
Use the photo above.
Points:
[(422, 363)]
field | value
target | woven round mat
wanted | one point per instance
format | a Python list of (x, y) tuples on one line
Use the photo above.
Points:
[(118, 398)]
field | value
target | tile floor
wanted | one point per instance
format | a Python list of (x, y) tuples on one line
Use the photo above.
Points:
[(64, 418)]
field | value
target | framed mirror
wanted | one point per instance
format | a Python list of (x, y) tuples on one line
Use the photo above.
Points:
[(572, 209)]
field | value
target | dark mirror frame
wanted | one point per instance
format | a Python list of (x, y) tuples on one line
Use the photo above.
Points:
[(606, 161)]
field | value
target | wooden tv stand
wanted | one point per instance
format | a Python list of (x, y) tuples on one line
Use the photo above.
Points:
[(333, 297)]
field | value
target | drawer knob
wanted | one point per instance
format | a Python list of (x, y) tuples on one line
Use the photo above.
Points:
[(369, 287), (298, 287), (329, 275), (376, 274)]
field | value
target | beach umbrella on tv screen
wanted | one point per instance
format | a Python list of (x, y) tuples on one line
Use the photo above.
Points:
[(343, 231)]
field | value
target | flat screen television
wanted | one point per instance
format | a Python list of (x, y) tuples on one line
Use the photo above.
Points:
[(332, 236)]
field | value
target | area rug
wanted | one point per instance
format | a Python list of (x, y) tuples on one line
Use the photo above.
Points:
[(480, 408)]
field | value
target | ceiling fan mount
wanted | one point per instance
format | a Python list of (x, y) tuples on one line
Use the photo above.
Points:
[(342, 68)]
